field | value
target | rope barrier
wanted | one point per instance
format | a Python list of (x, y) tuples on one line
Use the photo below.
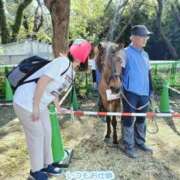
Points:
[(93, 113), (173, 89)]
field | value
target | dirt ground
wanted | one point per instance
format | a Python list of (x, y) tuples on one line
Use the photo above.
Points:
[(85, 136)]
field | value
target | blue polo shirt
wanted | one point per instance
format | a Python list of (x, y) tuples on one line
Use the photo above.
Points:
[(135, 75)]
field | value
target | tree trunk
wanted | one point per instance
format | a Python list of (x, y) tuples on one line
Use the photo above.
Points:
[(160, 32), (60, 11), (3, 25), (18, 19)]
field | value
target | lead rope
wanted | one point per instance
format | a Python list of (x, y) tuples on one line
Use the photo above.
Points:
[(154, 121), (141, 107)]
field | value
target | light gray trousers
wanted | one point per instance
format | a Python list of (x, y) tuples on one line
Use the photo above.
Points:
[(38, 137)]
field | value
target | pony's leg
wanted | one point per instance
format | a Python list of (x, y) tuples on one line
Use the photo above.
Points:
[(114, 124), (108, 121)]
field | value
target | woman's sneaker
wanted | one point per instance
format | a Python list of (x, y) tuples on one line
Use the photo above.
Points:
[(51, 170), (38, 175)]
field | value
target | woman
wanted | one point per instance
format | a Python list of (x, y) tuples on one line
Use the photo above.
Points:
[(31, 102)]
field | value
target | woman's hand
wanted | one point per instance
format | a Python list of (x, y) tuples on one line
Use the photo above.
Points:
[(58, 108), (35, 114), (56, 102)]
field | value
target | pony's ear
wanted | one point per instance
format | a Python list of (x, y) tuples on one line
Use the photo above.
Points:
[(101, 46), (120, 45)]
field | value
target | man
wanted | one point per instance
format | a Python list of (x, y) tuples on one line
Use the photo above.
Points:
[(136, 89)]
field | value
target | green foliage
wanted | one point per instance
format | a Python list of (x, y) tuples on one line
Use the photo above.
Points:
[(19, 33), (92, 20), (85, 20), (83, 83), (18, 19), (42, 34)]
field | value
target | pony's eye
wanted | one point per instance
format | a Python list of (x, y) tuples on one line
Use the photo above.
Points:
[(113, 50)]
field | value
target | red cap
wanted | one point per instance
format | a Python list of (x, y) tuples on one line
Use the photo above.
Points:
[(80, 50)]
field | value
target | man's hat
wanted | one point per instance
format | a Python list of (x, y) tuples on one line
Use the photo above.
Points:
[(140, 30)]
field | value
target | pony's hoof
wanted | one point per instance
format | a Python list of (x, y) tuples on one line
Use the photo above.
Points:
[(115, 145), (107, 140)]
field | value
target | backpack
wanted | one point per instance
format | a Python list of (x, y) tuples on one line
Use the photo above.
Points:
[(25, 69)]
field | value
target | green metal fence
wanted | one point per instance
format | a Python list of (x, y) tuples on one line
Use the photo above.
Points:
[(165, 70)]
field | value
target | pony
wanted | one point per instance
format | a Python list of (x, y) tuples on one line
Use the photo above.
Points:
[(108, 63)]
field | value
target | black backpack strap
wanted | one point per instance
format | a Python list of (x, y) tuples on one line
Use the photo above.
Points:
[(66, 69), (32, 80)]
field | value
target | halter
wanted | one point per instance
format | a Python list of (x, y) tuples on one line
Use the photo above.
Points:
[(114, 73)]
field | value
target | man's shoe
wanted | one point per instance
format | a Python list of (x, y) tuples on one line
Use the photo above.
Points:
[(51, 170), (144, 148), (130, 153), (38, 175)]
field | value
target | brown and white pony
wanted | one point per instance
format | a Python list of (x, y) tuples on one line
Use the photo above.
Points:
[(109, 65)]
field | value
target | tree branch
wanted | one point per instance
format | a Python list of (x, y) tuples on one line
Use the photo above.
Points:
[(116, 19), (38, 18), (133, 12), (176, 12), (18, 19), (107, 6)]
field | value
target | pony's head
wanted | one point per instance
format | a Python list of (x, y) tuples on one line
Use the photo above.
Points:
[(110, 64)]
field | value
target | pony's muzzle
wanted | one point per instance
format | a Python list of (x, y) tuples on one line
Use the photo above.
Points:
[(115, 89)]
